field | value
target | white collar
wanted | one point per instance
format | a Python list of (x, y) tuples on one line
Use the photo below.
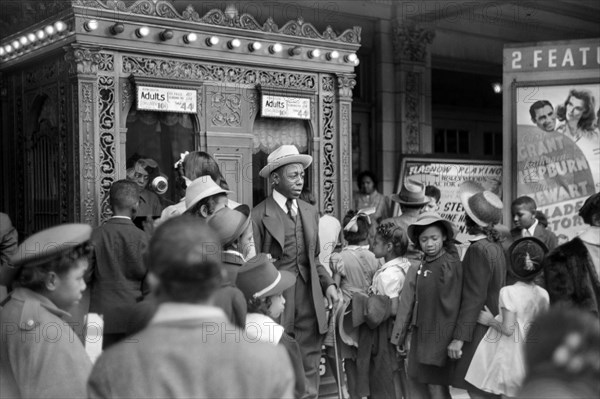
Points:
[(356, 247), (260, 327), (281, 201), (591, 235), (400, 261), (176, 311), (478, 237), (531, 228), (120, 217)]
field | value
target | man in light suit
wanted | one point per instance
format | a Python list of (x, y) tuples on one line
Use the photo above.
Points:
[(190, 349), (287, 228)]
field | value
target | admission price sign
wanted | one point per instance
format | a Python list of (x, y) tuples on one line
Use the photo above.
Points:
[(285, 107), (166, 99)]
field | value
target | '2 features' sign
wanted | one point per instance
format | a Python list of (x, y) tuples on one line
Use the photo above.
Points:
[(166, 99), (285, 107)]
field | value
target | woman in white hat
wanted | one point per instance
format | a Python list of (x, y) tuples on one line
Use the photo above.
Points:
[(484, 273)]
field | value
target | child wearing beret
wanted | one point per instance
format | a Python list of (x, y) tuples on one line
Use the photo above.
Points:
[(41, 355)]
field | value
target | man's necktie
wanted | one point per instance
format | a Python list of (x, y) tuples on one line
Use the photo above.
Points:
[(291, 212)]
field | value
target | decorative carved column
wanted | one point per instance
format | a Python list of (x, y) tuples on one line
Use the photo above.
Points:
[(345, 84), (83, 71), (413, 77)]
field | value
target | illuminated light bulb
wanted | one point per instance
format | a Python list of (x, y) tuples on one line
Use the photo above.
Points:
[(2, 51), (212, 41), (497, 87), (90, 25), (255, 46), (60, 26), (333, 55), (351, 58), (15, 44), (23, 40), (234, 43), (40, 34), (190, 38), (8, 48), (314, 53), (275, 48), (32, 37), (142, 32), (49, 30)]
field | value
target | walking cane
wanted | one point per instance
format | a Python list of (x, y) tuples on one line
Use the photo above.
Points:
[(335, 352)]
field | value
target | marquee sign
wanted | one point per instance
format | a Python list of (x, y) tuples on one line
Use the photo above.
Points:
[(166, 99)]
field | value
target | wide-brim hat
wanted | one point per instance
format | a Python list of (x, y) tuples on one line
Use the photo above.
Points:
[(48, 244), (427, 219), (259, 278), (284, 155), (412, 193), (526, 255), (202, 187), (483, 206), (230, 223)]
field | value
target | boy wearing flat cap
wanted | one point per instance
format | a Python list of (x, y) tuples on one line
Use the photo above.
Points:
[(40, 354), (287, 228)]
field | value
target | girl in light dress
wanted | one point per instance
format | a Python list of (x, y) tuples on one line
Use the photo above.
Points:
[(498, 366)]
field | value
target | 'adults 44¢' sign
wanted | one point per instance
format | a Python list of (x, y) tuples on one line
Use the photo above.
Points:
[(166, 99)]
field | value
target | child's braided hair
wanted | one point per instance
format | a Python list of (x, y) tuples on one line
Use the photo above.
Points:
[(393, 233)]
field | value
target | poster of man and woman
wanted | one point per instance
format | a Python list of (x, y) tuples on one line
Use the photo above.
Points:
[(557, 148)]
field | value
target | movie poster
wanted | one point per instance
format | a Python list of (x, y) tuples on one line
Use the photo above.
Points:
[(448, 175), (557, 150)]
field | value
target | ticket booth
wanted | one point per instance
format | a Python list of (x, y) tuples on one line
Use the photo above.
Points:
[(100, 81)]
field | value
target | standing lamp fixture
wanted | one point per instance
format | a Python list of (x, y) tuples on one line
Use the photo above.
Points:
[(89, 26), (234, 43)]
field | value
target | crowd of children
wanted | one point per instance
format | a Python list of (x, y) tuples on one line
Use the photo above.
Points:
[(196, 310)]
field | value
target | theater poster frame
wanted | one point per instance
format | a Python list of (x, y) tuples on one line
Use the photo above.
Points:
[(557, 169), (447, 175)]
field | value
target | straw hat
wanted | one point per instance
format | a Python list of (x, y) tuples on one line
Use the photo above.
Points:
[(259, 278), (200, 188), (284, 155), (412, 193), (50, 243), (230, 223), (427, 219), (526, 256), (484, 207)]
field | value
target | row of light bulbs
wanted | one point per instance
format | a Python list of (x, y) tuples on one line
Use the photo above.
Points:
[(32, 38), (91, 25), (232, 44)]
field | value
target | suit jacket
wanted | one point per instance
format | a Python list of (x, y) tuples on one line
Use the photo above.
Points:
[(9, 242), (269, 236), (544, 235), (200, 357), (117, 272)]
